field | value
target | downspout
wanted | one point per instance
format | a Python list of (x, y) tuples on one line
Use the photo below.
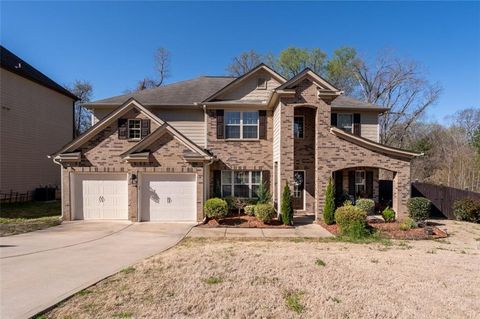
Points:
[(61, 181)]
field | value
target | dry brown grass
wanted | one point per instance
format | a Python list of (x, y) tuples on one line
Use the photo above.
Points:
[(282, 279)]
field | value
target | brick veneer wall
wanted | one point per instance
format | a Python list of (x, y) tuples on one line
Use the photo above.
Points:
[(333, 153), (237, 154), (102, 155)]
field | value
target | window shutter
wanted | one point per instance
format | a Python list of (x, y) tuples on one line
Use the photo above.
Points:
[(122, 129), (369, 184), (220, 124), (333, 120), (357, 130), (217, 183), (351, 183), (266, 179), (338, 184), (262, 120), (145, 127)]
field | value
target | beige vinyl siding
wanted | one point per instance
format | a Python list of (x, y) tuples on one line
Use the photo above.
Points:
[(35, 122), (247, 90), (369, 125), (189, 122)]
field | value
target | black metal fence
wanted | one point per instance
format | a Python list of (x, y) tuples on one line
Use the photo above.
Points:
[(442, 197), (39, 194)]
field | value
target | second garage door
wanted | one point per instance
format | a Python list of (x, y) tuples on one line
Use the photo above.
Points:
[(168, 197)]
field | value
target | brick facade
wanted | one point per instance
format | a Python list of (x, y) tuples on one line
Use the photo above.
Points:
[(102, 155)]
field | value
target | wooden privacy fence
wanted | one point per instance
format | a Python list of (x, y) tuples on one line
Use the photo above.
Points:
[(442, 197), (15, 197)]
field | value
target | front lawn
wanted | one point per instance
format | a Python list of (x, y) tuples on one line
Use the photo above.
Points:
[(212, 278), (25, 217)]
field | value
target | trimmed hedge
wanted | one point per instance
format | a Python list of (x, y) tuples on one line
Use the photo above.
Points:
[(467, 209), (216, 208), (366, 204), (264, 212), (249, 210), (419, 208), (407, 224), (352, 221), (388, 214)]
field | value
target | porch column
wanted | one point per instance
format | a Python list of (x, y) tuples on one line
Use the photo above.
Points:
[(401, 192), (286, 149)]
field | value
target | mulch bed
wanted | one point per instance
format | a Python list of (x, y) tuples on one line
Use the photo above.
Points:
[(243, 221), (393, 231)]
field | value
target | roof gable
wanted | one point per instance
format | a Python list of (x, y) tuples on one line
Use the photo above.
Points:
[(107, 120), (237, 83), (312, 76)]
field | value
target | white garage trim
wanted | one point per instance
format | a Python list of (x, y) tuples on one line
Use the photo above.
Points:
[(172, 195), (99, 196)]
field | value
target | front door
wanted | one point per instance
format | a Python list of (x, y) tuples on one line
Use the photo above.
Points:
[(299, 190)]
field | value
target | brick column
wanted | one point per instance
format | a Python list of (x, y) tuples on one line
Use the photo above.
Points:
[(286, 150), (401, 192)]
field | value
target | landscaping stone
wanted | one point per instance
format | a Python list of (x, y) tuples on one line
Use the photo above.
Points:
[(375, 219)]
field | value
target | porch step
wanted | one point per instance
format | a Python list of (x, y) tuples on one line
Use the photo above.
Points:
[(375, 219)]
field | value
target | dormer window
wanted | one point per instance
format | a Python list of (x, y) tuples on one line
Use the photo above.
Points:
[(134, 129), (261, 84)]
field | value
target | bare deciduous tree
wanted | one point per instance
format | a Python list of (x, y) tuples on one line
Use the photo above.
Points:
[(162, 68), (244, 62), (399, 85), (83, 90)]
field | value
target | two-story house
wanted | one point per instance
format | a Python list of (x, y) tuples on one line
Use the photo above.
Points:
[(36, 119), (158, 154)]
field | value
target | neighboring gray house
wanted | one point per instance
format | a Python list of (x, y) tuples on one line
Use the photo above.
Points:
[(36, 119)]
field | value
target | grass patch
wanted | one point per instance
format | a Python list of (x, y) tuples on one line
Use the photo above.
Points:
[(13, 226), (320, 263), (128, 270), (30, 210), (293, 301), (212, 280), (84, 292)]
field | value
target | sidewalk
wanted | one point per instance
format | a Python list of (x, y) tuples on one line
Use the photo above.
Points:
[(304, 231)]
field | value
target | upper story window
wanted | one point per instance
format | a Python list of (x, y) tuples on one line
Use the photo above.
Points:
[(134, 129), (298, 126), (243, 184), (241, 125), (345, 122), (261, 84)]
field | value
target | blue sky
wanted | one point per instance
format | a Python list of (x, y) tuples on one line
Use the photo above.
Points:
[(111, 44)]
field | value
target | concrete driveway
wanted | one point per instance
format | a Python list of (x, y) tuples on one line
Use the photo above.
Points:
[(39, 269)]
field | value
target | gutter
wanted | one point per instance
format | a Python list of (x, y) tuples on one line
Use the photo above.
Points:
[(61, 181)]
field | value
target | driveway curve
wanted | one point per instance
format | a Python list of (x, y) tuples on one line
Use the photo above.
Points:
[(39, 269)]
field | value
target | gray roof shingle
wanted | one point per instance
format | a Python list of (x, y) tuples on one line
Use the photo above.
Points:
[(13, 63), (180, 93), (348, 103)]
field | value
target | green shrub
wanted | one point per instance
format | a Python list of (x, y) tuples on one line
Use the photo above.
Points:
[(347, 203), (286, 206), (230, 200), (216, 208), (388, 214), (263, 194), (352, 221), (366, 204), (419, 208), (467, 209), (250, 210), (407, 224), (329, 207), (264, 212)]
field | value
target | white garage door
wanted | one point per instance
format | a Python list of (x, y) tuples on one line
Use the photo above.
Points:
[(168, 197), (101, 196)]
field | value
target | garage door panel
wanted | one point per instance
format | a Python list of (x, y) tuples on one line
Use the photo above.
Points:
[(168, 197)]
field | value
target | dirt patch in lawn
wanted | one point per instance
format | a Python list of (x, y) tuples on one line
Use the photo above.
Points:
[(203, 278), (243, 221), (393, 231)]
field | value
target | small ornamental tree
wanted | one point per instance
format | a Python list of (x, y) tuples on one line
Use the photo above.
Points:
[(286, 206), (263, 194), (329, 207)]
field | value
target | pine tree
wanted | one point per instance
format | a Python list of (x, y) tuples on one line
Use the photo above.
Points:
[(286, 207), (329, 207)]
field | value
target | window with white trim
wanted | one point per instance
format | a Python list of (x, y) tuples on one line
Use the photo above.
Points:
[(242, 184), (359, 182), (298, 126), (134, 129), (345, 122), (241, 125)]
